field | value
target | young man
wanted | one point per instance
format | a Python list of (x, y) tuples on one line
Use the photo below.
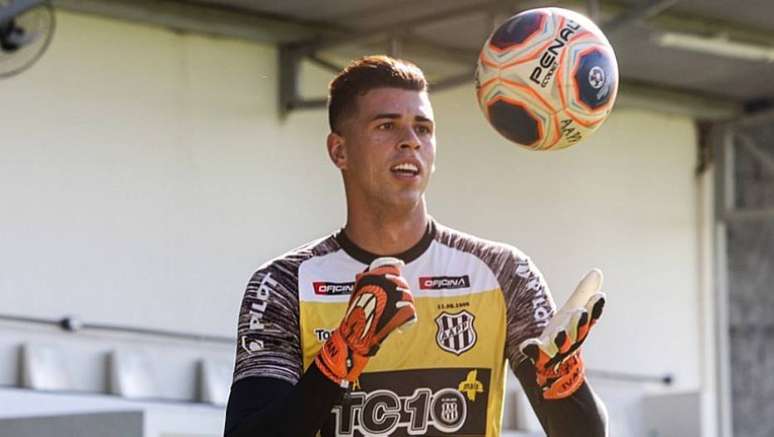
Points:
[(317, 347)]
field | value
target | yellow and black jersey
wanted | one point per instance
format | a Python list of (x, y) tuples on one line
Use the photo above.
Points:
[(476, 300)]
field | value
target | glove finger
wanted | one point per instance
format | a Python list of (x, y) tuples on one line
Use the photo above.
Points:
[(562, 345), (595, 306), (583, 320), (588, 286), (404, 313), (385, 265), (411, 318), (386, 261), (534, 349), (399, 281), (582, 326), (562, 341), (573, 324), (406, 295), (405, 309), (531, 349), (585, 323)]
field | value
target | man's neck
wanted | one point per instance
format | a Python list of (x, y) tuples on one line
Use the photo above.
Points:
[(387, 235)]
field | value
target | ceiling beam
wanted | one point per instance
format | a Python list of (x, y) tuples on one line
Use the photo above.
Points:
[(648, 10), (678, 101), (676, 20), (200, 17), (397, 26), (216, 19)]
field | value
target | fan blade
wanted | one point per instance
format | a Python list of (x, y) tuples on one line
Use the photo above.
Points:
[(16, 8), (22, 38), (16, 38)]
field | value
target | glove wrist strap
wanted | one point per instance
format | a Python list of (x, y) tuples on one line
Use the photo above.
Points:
[(563, 381)]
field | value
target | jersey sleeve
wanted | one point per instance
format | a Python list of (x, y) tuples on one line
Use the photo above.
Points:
[(529, 304), (268, 337)]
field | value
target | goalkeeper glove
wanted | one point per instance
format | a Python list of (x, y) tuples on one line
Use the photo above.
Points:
[(556, 353), (381, 302)]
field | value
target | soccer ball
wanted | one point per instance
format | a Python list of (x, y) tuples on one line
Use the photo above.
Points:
[(547, 78)]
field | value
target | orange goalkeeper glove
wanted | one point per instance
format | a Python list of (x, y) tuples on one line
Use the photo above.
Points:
[(381, 302), (556, 353)]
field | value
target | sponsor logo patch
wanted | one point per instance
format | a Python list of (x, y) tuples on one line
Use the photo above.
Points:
[(471, 386), (415, 402), (333, 288), (443, 282), (260, 298), (456, 333)]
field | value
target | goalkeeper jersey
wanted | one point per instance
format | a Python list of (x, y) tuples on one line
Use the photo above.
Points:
[(476, 301)]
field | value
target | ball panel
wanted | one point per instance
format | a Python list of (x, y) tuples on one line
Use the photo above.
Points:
[(514, 121), (594, 79), (527, 48), (527, 57), (569, 58), (535, 95), (571, 130), (554, 140), (517, 29)]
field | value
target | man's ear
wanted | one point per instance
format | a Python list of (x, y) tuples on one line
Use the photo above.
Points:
[(336, 150)]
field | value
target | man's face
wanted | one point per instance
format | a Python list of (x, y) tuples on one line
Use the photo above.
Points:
[(387, 147)]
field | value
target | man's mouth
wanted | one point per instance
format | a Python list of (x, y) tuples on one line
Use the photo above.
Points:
[(405, 169)]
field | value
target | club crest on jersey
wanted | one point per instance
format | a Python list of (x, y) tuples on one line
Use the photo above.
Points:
[(456, 333), (443, 282)]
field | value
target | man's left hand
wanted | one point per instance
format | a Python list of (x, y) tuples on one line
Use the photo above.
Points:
[(556, 353)]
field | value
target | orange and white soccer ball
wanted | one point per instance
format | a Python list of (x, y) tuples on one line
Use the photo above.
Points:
[(547, 78)]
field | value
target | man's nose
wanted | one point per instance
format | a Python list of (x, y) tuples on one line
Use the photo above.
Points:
[(410, 140)]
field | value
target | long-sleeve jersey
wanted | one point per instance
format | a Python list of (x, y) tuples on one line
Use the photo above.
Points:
[(476, 301)]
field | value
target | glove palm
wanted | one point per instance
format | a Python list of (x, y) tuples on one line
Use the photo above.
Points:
[(380, 303)]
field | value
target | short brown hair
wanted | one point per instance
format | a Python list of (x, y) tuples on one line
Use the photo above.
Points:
[(365, 74)]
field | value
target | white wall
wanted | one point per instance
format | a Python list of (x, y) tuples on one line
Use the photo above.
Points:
[(144, 174)]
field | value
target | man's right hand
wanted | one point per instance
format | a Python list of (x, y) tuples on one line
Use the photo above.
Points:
[(380, 303)]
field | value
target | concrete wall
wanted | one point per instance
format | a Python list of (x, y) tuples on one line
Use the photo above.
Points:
[(146, 174)]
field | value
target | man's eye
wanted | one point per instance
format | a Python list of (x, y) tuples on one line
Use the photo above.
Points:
[(386, 126), (424, 130)]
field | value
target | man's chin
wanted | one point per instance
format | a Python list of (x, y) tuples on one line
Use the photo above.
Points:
[(408, 200)]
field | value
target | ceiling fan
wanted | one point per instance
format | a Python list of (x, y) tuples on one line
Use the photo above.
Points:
[(26, 29)]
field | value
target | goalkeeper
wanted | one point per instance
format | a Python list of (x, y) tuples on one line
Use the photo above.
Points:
[(397, 325)]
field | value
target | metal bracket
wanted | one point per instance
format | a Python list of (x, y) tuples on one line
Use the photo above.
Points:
[(291, 55)]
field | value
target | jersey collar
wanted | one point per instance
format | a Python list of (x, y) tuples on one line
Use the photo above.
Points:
[(367, 257)]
